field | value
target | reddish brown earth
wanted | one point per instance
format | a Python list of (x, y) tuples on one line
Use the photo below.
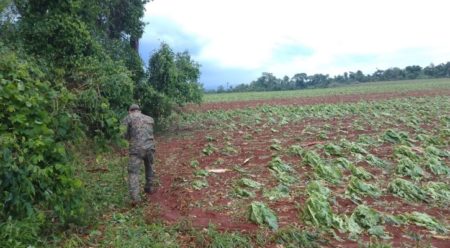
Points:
[(176, 201), (315, 100)]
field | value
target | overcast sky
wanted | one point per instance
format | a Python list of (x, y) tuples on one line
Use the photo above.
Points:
[(235, 41)]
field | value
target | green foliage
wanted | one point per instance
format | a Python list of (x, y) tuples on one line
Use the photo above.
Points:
[(438, 191), (282, 171), (244, 192), (332, 149), (407, 190), (423, 219), (201, 173), (224, 239), (296, 150), (394, 136), (403, 151), (172, 81), (247, 182), (105, 96), (200, 184), (209, 149), (311, 158), (357, 188), (328, 172), (281, 191), (316, 188), (365, 218), (261, 214), (293, 237), (436, 151), (360, 172), (35, 172), (317, 210), (343, 163), (21, 233), (407, 167), (377, 162)]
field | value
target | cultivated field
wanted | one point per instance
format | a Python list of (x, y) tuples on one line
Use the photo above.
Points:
[(339, 167), (334, 168)]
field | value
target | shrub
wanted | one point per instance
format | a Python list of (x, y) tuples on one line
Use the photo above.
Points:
[(35, 172)]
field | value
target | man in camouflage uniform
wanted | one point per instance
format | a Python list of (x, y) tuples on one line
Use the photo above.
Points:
[(139, 133)]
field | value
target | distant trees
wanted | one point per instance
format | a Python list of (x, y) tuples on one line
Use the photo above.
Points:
[(268, 82)]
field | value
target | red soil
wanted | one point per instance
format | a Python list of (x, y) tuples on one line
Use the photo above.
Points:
[(175, 200), (314, 100)]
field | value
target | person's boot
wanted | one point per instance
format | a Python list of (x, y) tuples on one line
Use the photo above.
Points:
[(149, 190)]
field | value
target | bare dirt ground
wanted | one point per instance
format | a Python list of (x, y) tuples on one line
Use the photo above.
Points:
[(176, 201), (314, 100)]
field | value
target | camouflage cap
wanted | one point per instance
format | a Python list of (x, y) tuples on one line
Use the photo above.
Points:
[(134, 107)]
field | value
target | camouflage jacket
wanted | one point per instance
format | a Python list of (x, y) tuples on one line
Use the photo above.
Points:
[(139, 131)]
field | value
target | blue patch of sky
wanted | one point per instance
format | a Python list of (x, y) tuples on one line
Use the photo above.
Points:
[(288, 52)]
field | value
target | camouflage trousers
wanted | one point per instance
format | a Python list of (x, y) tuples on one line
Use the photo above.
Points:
[(134, 165)]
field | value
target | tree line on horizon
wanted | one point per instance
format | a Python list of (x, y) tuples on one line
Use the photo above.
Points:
[(269, 82)]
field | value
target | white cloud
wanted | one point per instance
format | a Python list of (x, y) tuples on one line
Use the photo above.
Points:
[(245, 33)]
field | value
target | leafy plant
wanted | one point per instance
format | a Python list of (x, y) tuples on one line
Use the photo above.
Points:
[(296, 150), (311, 158), (435, 165), (375, 161), (357, 148), (357, 188), (36, 173), (282, 171), (281, 191), (201, 173), (229, 150), (244, 192), (407, 190), (209, 149), (246, 182), (200, 184), (292, 237), (438, 191), (217, 239), (360, 172), (436, 151), (332, 149), (403, 151), (365, 218), (194, 163), (394, 136), (316, 188), (174, 77), (407, 167), (317, 210), (423, 219), (343, 163), (261, 214), (328, 172)]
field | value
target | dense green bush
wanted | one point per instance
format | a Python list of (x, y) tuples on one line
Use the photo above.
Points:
[(172, 81), (35, 174), (103, 97)]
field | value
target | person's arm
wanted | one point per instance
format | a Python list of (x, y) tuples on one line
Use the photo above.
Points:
[(126, 128)]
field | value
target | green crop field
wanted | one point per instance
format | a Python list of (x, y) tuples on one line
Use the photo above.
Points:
[(348, 174), (363, 88)]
